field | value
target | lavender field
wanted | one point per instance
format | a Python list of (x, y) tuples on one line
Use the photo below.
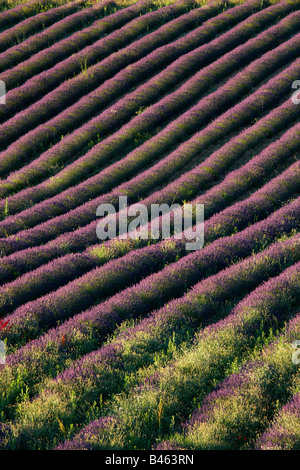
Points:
[(137, 342)]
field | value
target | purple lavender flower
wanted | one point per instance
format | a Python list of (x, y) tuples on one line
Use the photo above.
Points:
[(36, 23), (60, 98), (283, 433), (138, 185), (47, 80), (74, 20), (20, 12), (232, 388)]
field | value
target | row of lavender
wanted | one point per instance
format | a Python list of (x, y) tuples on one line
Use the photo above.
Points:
[(57, 100), (29, 259), (181, 323), (85, 330), (80, 138), (52, 275), (38, 61), (126, 107), (58, 31), (141, 184), (234, 412), (33, 25), (283, 432), (263, 385), (30, 9), (85, 82), (184, 380), (45, 81)]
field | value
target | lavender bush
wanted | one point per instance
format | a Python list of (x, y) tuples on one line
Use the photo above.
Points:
[(58, 272), (34, 24), (72, 143), (143, 95), (236, 412), (31, 8), (43, 82), (58, 99), (283, 433), (143, 342), (83, 215), (85, 331), (175, 388), (33, 44)]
